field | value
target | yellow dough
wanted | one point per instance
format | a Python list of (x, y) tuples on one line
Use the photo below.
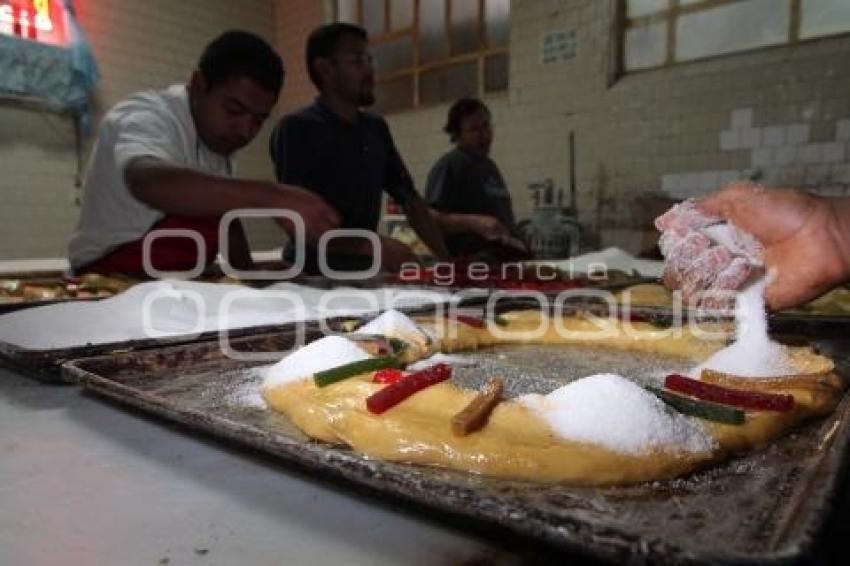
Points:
[(516, 442), (835, 302), (646, 295)]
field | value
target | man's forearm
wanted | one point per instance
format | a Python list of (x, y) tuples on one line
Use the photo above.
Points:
[(421, 220), (183, 191), (451, 222), (239, 253)]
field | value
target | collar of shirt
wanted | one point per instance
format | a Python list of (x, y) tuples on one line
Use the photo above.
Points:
[(326, 110)]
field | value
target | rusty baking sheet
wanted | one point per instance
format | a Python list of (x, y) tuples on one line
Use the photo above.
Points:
[(764, 507), (25, 290), (45, 365)]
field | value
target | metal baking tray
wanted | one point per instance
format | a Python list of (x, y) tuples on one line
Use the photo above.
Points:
[(45, 365), (51, 279), (766, 507)]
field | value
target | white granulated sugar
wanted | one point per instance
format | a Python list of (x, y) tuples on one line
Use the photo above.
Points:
[(737, 241), (325, 353), (394, 324), (611, 411), (389, 322), (247, 395), (440, 358), (753, 354), (163, 309)]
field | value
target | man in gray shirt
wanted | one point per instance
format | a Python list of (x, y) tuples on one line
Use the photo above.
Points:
[(465, 187)]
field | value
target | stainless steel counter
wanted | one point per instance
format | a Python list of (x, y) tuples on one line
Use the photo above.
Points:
[(83, 481)]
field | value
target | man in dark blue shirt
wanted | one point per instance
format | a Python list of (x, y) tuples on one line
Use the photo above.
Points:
[(347, 155)]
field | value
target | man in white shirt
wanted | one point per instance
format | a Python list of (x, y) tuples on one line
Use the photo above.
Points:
[(162, 160)]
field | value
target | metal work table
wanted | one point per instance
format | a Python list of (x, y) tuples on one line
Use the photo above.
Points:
[(84, 481)]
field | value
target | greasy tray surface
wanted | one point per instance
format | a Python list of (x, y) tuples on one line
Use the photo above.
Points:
[(45, 365), (765, 506)]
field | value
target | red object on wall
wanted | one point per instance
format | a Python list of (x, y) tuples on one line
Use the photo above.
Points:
[(392, 207), (43, 21)]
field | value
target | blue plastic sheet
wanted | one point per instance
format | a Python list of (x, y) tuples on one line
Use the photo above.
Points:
[(61, 76)]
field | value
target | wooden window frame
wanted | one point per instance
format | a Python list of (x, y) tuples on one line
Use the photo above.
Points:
[(417, 68), (622, 23)]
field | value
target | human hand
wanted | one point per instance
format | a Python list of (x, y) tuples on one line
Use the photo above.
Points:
[(394, 254), (799, 237), (487, 227), (318, 216)]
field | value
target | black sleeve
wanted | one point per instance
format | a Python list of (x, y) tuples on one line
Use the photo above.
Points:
[(290, 153), (440, 190), (399, 183)]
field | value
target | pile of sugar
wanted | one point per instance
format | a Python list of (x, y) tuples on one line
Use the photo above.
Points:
[(393, 324), (611, 411), (325, 353), (753, 354)]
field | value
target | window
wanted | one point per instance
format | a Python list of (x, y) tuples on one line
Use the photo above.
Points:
[(663, 32), (432, 51)]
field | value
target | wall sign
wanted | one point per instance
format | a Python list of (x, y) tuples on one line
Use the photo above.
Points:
[(42, 21), (557, 46)]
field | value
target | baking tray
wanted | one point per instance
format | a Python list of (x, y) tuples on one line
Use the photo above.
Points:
[(45, 365), (766, 507), (7, 306)]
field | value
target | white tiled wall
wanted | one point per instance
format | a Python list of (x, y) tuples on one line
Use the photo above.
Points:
[(683, 130), (780, 154)]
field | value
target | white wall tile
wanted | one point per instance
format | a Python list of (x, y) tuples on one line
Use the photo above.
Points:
[(773, 136), (834, 152), (709, 180), (750, 138), (742, 119), (842, 130), (670, 182), (797, 134), (691, 183), (785, 155), (730, 140), (811, 154), (762, 157)]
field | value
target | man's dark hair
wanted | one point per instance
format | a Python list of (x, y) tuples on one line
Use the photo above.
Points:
[(323, 41), (238, 53), (462, 108)]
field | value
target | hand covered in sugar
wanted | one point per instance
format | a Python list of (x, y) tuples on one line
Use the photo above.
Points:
[(803, 239)]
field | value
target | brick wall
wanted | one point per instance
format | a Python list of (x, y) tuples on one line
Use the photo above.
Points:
[(651, 136), (779, 113), (138, 45), (293, 23)]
